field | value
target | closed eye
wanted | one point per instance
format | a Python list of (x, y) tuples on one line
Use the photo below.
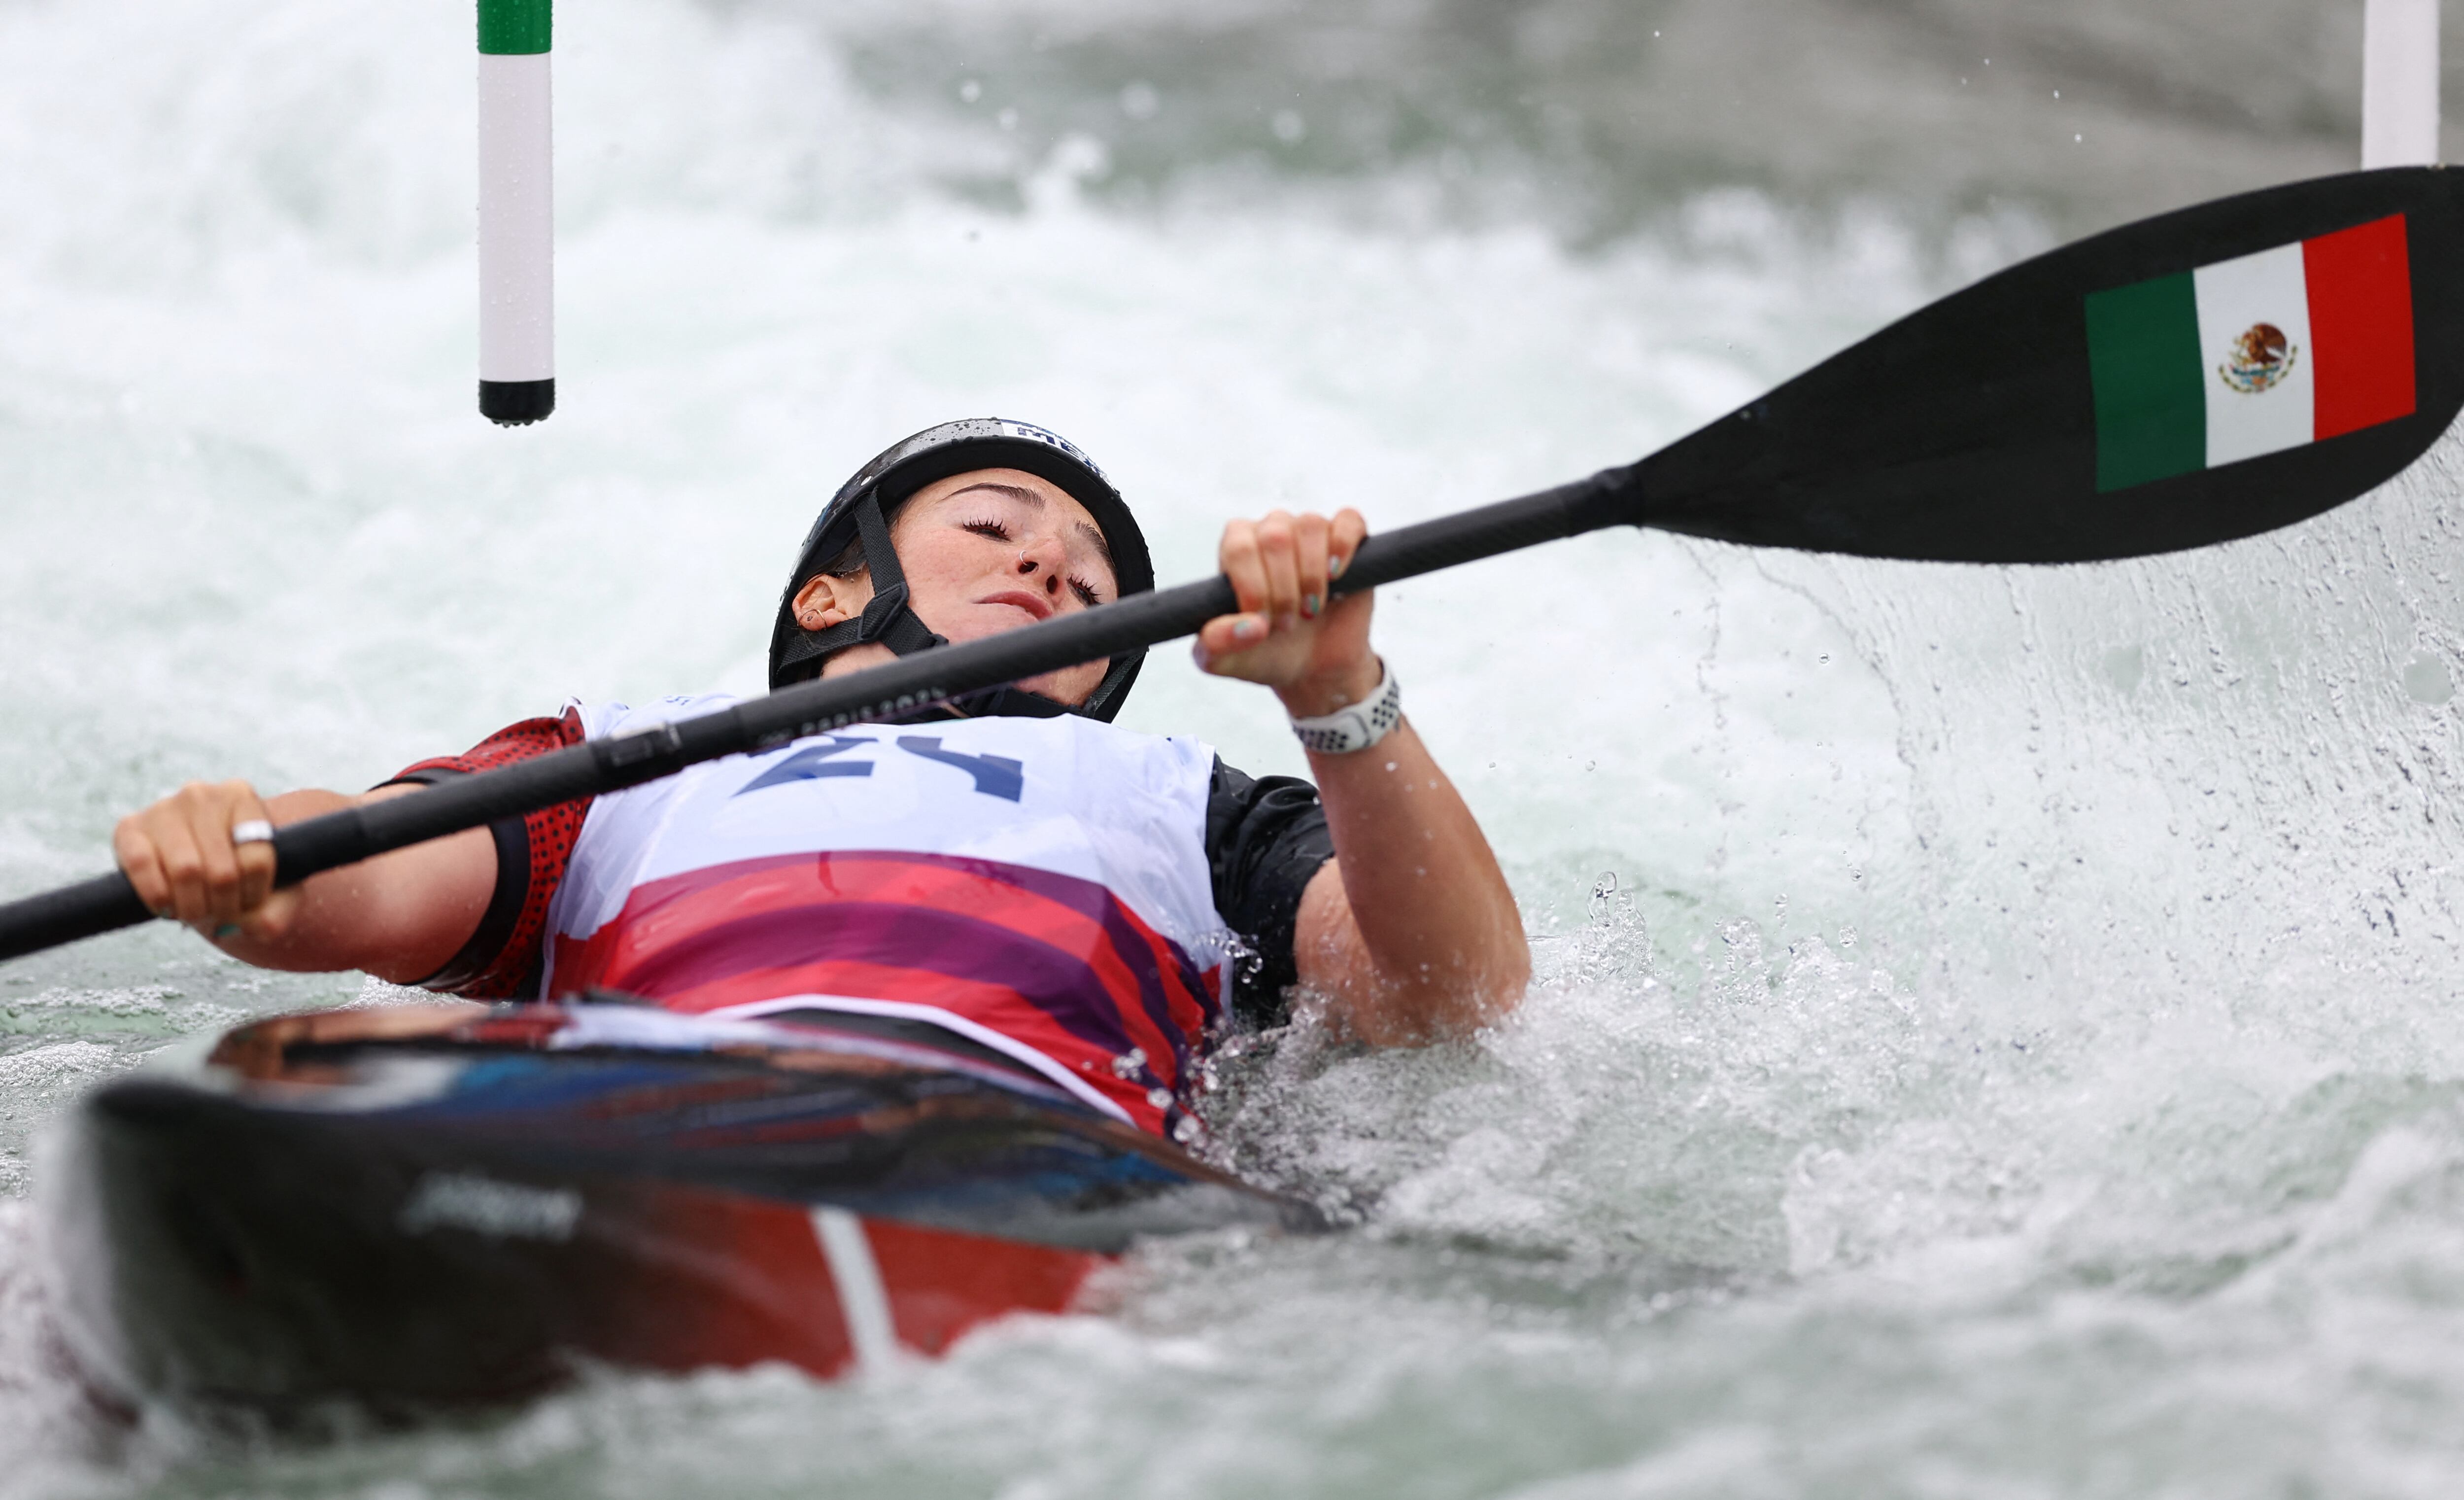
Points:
[(998, 531)]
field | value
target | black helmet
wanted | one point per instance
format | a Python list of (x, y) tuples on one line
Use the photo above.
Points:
[(861, 511)]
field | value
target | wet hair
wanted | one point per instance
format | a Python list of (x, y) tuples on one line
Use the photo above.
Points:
[(851, 562), (847, 564)]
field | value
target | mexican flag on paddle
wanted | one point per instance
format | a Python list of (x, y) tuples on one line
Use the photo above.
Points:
[(2191, 379), (2253, 355)]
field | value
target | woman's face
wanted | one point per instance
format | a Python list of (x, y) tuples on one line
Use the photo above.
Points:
[(984, 552)]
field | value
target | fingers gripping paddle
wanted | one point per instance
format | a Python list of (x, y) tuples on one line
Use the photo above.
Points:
[(2187, 379)]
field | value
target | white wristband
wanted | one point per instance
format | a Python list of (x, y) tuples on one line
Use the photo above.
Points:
[(1359, 727)]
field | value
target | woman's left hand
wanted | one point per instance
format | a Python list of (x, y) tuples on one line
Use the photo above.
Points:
[(1291, 634)]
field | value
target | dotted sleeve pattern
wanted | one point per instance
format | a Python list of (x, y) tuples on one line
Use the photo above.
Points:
[(502, 960)]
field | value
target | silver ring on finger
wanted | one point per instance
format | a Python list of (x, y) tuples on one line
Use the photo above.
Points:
[(255, 830)]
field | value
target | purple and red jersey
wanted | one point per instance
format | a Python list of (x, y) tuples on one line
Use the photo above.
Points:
[(1081, 899)]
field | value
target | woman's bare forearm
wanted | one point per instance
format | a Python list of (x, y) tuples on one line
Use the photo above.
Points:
[(1411, 931), (399, 917)]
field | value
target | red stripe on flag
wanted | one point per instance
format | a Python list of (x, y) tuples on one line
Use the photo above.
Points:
[(2361, 325)]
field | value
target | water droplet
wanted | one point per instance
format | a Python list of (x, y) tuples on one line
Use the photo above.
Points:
[(1288, 126), (1008, 120), (2124, 666), (2426, 680), (970, 91), (1140, 100)]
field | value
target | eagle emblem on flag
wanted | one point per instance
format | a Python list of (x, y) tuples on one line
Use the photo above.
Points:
[(2260, 358)]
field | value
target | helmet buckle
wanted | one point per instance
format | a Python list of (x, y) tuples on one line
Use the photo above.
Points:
[(879, 614)]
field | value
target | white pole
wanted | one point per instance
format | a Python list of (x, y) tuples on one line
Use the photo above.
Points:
[(516, 215), (2399, 83)]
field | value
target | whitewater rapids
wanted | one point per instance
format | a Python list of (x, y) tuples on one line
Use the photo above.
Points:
[(1997, 1031)]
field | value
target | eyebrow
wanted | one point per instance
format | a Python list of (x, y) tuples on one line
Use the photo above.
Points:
[(1017, 491)]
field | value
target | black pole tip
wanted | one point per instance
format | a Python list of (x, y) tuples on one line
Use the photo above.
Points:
[(516, 403)]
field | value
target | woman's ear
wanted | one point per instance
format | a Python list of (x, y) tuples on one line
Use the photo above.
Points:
[(826, 601)]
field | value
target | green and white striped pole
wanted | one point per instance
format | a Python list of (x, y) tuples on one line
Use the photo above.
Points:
[(516, 215)]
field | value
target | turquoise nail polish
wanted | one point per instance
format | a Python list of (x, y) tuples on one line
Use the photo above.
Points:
[(1308, 606)]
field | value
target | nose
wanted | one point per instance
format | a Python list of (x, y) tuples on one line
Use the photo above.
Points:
[(1043, 560)]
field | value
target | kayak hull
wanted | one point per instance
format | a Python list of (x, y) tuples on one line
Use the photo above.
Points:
[(408, 1212)]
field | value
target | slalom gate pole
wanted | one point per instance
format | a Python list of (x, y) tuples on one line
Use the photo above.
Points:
[(516, 215), (2399, 83)]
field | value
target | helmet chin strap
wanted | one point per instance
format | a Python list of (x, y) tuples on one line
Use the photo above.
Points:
[(887, 619), (1011, 702)]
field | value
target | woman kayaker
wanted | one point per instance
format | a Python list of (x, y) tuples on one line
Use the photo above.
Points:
[(1011, 869)]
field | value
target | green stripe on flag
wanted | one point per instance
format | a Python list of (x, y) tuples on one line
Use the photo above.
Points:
[(512, 27), (2142, 357)]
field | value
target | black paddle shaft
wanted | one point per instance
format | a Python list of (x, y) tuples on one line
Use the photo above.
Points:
[(108, 902), (1964, 433)]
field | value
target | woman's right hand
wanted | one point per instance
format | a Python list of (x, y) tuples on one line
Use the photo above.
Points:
[(179, 856)]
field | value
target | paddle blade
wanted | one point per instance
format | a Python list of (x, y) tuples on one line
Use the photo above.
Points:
[(2191, 379)]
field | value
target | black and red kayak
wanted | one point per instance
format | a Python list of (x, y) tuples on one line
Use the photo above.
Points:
[(441, 1205)]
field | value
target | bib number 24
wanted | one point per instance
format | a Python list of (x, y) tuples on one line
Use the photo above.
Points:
[(994, 775)]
